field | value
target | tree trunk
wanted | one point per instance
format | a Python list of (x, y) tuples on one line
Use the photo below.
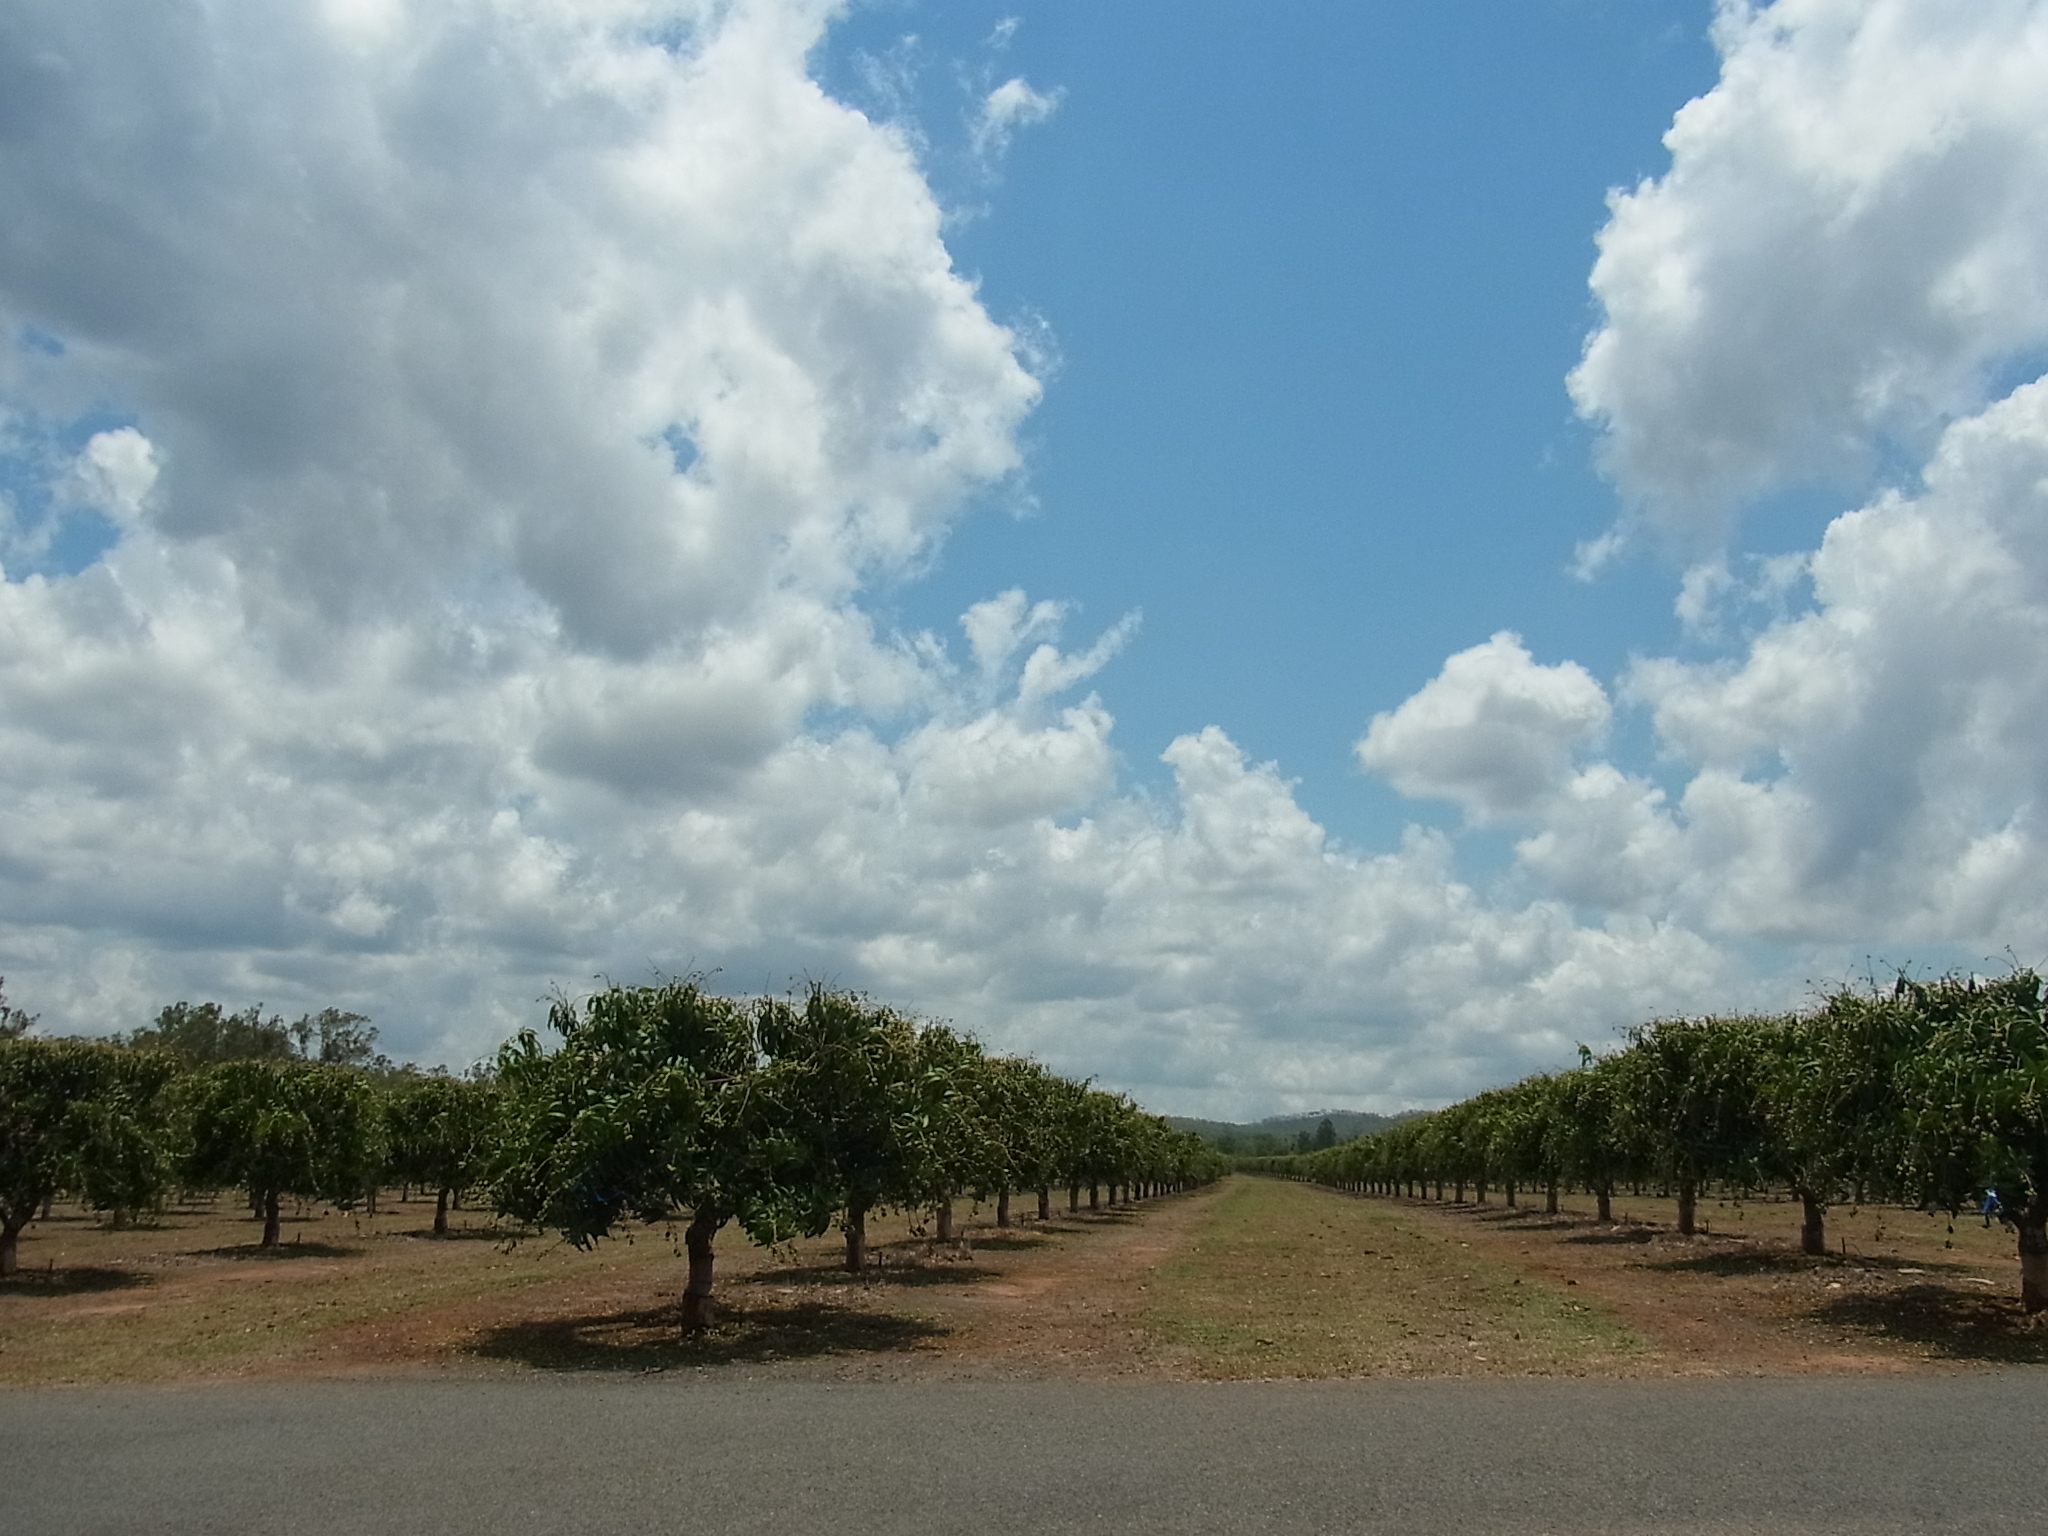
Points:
[(49, 1204), (372, 1203), (697, 1239), (1073, 1197), (1688, 1201), (1479, 1192), (10, 1247), (1044, 1203), (1510, 1188), (1813, 1231), (441, 1214), (945, 1220), (1605, 1195), (1094, 1197), (1003, 1206), (1458, 1192), (270, 1221), (856, 1238), (2033, 1229), (1550, 1198)]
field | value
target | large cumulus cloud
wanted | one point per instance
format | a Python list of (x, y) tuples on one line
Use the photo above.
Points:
[(450, 450), (1850, 244), (1840, 274), (459, 440), (1493, 731)]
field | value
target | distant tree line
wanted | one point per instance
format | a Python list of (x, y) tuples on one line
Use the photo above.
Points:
[(665, 1104), (1255, 1143), (1926, 1093)]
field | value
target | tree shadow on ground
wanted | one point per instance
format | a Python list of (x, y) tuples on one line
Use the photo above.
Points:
[(894, 1268), (1009, 1242), (472, 1234), (1613, 1236), (283, 1251), (651, 1339), (1742, 1261), (1949, 1324), (1769, 1261), (81, 1280), (1529, 1221)]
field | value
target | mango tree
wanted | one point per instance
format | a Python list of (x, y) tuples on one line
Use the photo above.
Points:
[(652, 1109), (1692, 1098), (277, 1128), (1454, 1149), (842, 1073), (124, 1160), (1974, 1102), (1588, 1133), (955, 1146), (1831, 1101), (1035, 1144), (80, 1115), (1010, 1093), (1522, 1142), (441, 1132)]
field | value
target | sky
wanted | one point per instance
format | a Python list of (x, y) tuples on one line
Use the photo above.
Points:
[(1275, 557)]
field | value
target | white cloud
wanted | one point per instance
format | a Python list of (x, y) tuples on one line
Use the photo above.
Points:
[(1493, 731), (115, 472), (1851, 241), (524, 396), (1009, 107), (998, 628), (1876, 763)]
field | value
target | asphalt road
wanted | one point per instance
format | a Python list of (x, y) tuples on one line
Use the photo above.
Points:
[(717, 1454)]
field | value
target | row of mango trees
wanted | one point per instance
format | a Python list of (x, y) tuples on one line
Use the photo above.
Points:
[(1927, 1094), (664, 1104)]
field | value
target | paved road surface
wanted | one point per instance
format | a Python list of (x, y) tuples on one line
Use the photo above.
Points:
[(718, 1454)]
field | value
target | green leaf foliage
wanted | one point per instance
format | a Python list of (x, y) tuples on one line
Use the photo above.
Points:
[(284, 1128)]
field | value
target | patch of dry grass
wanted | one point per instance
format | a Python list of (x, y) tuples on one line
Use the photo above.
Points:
[(1291, 1280), (192, 1295)]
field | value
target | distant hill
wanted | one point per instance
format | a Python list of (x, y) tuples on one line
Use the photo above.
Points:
[(1276, 1133)]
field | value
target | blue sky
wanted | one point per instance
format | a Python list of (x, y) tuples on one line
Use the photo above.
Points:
[(1315, 275), (1275, 557)]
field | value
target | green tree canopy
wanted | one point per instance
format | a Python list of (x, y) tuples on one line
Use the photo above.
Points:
[(842, 1077), (201, 1034), (277, 1128), (652, 1109), (81, 1115), (441, 1133), (1975, 1101), (14, 1022)]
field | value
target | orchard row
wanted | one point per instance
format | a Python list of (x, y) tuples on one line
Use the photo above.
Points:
[(1930, 1094), (661, 1104)]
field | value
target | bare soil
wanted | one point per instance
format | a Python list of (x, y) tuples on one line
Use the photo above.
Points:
[(1249, 1278)]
